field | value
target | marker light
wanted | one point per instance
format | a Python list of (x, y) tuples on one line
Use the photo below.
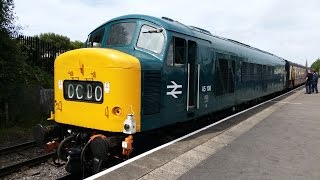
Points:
[(129, 125)]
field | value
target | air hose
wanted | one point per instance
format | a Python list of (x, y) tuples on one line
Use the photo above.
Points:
[(60, 148)]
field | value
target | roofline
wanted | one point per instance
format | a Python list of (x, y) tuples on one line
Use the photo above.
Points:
[(175, 26)]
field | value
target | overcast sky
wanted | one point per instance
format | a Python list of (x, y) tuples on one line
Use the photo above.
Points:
[(287, 28)]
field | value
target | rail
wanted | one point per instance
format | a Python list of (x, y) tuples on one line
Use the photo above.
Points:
[(28, 163), (7, 150)]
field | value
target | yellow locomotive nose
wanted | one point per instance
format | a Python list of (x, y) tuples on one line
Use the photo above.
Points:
[(97, 88)]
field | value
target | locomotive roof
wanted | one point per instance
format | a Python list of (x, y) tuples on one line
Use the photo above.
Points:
[(178, 27), (167, 23)]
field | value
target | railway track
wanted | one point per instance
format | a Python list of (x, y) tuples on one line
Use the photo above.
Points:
[(11, 168), (15, 148), (27, 163)]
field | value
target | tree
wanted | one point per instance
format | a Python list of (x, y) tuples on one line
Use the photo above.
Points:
[(76, 44), (17, 74), (13, 69), (7, 17), (60, 41), (316, 65), (56, 39), (11, 60), (52, 45)]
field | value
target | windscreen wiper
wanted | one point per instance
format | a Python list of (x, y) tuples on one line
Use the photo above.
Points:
[(154, 31)]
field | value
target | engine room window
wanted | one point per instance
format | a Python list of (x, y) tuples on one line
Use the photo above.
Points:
[(245, 76), (121, 34), (225, 73), (95, 39), (151, 39)]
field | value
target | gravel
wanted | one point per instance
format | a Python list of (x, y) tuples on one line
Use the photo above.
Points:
[(20, 156), (44, 171)]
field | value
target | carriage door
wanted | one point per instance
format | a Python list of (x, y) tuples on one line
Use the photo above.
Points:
[(192, 73)]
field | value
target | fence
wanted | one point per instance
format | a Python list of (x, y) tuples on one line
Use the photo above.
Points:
[(46, 100), (39, 53), (31, 103)]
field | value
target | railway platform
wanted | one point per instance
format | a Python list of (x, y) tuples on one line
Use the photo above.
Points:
[(277, 140)]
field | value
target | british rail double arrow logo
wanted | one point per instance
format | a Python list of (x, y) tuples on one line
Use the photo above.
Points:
[(174, 88)]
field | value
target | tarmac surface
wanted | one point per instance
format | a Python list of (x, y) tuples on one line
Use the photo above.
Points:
[(280, 140), (285, 145)]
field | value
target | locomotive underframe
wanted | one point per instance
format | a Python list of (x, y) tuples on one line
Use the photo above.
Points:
[(84, 150)]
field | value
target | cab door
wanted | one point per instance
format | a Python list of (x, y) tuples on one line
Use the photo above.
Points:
[(182, 81), (176, 82)]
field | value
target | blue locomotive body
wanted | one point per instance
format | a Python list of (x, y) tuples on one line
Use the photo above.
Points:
[(198, 73), (148, 73)]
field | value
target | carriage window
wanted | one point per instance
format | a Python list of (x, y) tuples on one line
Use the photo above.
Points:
[(151, 39), (121, 34), (95, 39)]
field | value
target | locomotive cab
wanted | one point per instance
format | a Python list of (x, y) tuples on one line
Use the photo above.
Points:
[(100, 88), (100, 92)]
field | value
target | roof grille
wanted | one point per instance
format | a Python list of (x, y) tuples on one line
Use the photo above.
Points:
[(168, 19), (200, 30)]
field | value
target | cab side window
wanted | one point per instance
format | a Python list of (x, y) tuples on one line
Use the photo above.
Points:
[(170, 54), (95, 39), (177, 52)]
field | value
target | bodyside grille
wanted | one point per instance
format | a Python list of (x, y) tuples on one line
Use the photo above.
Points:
[(151, 92)]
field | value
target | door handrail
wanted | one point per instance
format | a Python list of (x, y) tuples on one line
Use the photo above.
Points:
[(198, 92), (188, 85)]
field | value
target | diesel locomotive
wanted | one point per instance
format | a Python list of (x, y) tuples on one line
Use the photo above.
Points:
[(139, 73)]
